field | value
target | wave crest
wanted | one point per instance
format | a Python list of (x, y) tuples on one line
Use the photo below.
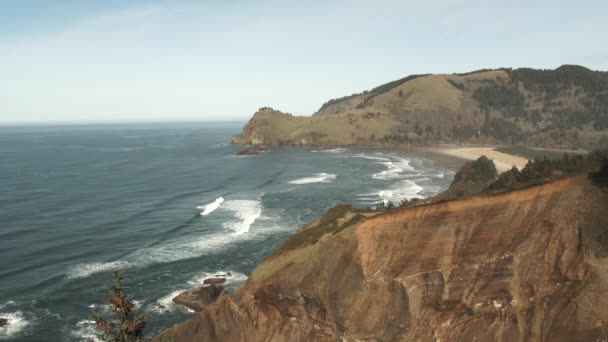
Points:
[(246, 211), (85, 270), (209, 208), (16, 324), (319, 178)]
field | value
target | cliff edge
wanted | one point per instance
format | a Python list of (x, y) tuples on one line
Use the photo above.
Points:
[(526, 265)]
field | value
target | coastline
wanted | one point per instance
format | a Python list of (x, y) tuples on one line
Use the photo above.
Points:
[(451, 157), (502, 161)]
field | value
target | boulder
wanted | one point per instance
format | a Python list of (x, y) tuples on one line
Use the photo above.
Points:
[(3, 322), (201, 297), (250, 152), (215, 281)]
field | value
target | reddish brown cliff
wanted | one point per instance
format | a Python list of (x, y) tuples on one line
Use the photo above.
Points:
[(527, 265)]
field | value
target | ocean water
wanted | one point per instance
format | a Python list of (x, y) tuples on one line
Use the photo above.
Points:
[(77, 202)]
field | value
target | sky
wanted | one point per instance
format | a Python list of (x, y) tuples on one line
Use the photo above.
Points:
[(186, 60)]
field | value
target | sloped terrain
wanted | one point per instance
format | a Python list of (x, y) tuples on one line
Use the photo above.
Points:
[(525, 265), (565, 107)]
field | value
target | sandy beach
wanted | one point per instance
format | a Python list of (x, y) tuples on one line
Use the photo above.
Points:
[(502, 161)]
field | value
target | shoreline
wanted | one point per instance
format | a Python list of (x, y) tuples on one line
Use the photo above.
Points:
[(502, 161), (447, 156)]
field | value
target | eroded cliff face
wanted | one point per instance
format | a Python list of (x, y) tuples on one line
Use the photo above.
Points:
[(527, 265)]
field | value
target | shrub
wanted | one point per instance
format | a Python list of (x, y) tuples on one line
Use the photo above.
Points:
[(126, 326)]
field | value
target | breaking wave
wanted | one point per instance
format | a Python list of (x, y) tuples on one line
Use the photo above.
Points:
[(318, 178), (16, 324), (85, 270), (211, 207), (246, 211), (233, 281)]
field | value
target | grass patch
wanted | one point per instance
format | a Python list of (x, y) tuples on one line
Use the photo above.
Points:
[(328, 224)]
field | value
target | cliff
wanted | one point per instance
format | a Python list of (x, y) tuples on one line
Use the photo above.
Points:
[(565, 107), (526, 265)]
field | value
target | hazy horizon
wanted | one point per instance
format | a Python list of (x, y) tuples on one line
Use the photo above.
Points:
[(142, 61)]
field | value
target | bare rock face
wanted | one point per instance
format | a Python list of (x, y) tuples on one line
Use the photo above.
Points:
[(250, 152), (214, 281), (527, 265), (201, 297), (3, 322)]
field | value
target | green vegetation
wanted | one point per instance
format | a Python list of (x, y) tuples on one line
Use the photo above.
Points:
[(532, 153), (543, 170), (328, 223), (553, 81), (477, 71), (601, 176), (381, 89), (503, 130), (465, 132), (482, 170), (126, 326), (456, 85), (496, 96)]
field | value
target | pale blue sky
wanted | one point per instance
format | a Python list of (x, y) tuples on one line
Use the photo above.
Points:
[(127, 60)]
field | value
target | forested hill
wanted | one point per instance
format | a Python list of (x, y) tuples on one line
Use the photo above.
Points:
[(565, 107)]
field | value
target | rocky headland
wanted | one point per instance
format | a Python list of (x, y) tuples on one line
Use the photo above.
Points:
[(561, 108)]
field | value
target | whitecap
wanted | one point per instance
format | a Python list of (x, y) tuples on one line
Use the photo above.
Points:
[(318, 178), (209, 208), (334, 150), (233, 280), (366, 156), (394, 168), (405, 189), (246, 211), (16, 324), (8, 303), (85, 270), (166, 303), (85, 331)]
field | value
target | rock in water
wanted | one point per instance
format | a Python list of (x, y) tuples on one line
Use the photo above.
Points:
[(215, 281), (250, 152), (3, 322), (201, 297)]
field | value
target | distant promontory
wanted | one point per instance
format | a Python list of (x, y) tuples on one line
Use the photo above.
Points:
[(562, 108)]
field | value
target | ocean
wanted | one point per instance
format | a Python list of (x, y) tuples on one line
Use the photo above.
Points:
[(77, 202)]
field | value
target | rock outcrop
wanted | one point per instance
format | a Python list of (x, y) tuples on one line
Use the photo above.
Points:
[(3, 322), (472, 178), (250, 152), (200, 297), (526, 265)]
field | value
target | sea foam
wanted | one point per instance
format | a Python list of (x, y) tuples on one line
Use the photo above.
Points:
[(16, 324), (85, 270), (318, 178), (233, 280), (85, 331), (394, 168), (209, 208), (246, 212)]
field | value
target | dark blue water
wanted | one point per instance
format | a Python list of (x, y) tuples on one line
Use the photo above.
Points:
[(79, 201)]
